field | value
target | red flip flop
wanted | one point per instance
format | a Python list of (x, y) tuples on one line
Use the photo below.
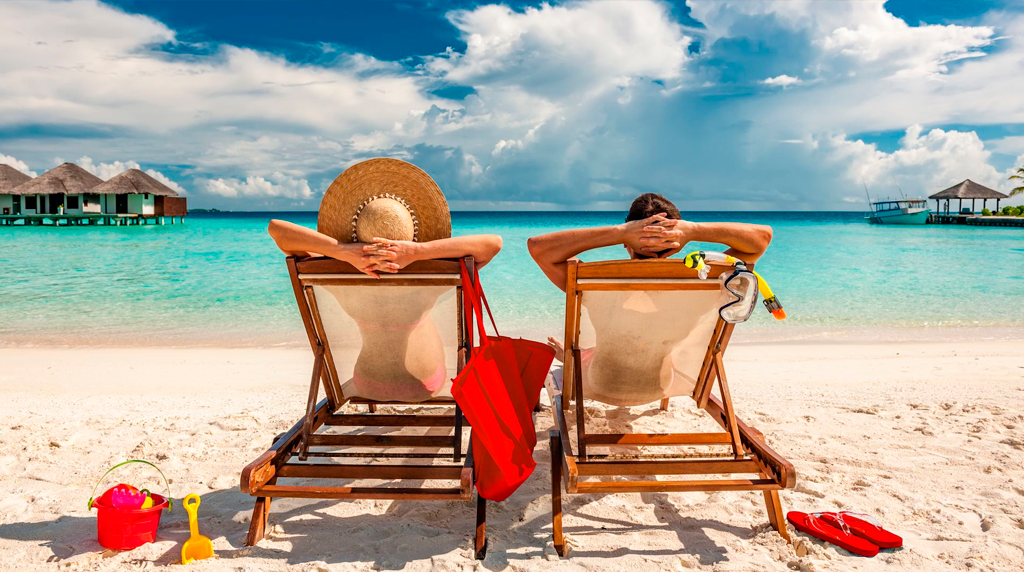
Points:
[(860, 525), (816, 527)]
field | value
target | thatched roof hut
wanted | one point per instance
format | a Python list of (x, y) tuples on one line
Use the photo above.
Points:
[(70, 195), (11, 178), (134, 181), (69, 179), (968, 189)]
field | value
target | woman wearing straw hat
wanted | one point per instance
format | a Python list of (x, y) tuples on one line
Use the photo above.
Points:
[(380, 216)]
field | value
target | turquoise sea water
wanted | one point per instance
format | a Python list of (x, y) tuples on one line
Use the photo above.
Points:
[(219, 280)]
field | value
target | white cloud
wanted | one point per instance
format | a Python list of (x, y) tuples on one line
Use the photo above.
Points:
[(581, 103), (1011, 145), (863, 32), (165, 180), (86, 61), (273, 185), (509, 145), (506, 145), (924, 163), (107, 171), (914, 51), (782, 81), (553, 51), (19, 165)]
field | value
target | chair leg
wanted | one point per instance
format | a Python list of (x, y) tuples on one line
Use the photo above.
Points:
[(480, 540), (556, 492), (457, 437), (372, 407), (775, 517), (664, 404), (258, 525), (260, 516)]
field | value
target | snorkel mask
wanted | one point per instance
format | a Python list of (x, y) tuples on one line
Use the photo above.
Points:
[(744, 284)]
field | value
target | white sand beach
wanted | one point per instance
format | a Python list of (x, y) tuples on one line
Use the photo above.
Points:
[(929, 437)]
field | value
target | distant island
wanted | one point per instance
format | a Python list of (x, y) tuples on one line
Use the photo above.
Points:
[(207, 211)]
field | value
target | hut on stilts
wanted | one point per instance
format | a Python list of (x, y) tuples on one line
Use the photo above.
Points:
[(10, 178), (68, 195)]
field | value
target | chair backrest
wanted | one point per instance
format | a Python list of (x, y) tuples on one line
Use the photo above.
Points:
[(397, 338), (643, 328)]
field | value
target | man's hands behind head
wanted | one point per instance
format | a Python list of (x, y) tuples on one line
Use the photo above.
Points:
[(657, 236)]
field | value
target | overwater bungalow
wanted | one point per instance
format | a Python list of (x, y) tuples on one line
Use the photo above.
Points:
[(9, 179), (70, 195), (135, 192)]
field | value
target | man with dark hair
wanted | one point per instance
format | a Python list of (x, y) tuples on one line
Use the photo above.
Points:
[(653, 229), (650, 204)]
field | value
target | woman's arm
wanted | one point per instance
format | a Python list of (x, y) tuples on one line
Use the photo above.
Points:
[(297, 240), (392, 255), (553, 251)]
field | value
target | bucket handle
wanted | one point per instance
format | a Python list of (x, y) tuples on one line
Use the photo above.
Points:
[(123, 463)]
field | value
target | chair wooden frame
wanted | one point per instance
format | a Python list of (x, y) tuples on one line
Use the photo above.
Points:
[(768, 471), (259, 478)]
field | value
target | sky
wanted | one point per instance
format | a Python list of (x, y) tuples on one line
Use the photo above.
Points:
[(718, 104)]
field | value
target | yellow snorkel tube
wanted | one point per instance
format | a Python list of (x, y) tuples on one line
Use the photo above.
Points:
[(698, 260), (771, 301)]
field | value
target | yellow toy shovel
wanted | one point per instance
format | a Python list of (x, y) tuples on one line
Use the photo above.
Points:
[(197, 547)]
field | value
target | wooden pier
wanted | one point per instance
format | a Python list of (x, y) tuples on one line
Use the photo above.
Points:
[(87, 220), (976, 220)]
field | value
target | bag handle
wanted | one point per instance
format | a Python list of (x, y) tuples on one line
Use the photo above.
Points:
[(483, 298), (123, 463), (471, 301)]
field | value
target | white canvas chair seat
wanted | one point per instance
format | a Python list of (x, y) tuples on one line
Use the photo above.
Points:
[(638, 332), (640, 347), (397, 341)]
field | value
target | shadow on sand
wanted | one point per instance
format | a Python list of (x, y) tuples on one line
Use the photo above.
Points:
[(307, 531)]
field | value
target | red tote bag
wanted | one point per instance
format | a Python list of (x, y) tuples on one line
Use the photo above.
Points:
[(492, 394), (533, 360)]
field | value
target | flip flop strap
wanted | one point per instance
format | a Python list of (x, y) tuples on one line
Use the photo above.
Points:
[(839, 519), (861, 516)]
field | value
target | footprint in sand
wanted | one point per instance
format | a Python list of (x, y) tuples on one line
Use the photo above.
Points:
[(1013, 442)]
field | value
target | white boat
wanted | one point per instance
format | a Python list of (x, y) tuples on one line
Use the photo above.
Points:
[(905, 211)]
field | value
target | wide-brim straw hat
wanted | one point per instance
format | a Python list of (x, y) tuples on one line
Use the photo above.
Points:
[(386, 198)]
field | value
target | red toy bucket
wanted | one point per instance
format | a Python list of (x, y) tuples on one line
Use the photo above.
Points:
[(125, 529)]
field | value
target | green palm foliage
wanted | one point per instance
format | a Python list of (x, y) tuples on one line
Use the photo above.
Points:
[(1019, 175)]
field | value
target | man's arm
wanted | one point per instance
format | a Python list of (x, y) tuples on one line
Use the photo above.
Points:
[(748, 242), (553, 251)]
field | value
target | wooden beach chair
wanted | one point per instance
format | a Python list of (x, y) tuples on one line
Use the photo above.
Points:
[(600, 463), (327, 445)]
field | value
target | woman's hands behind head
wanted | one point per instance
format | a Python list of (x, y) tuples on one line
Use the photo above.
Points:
[(385, 255)]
